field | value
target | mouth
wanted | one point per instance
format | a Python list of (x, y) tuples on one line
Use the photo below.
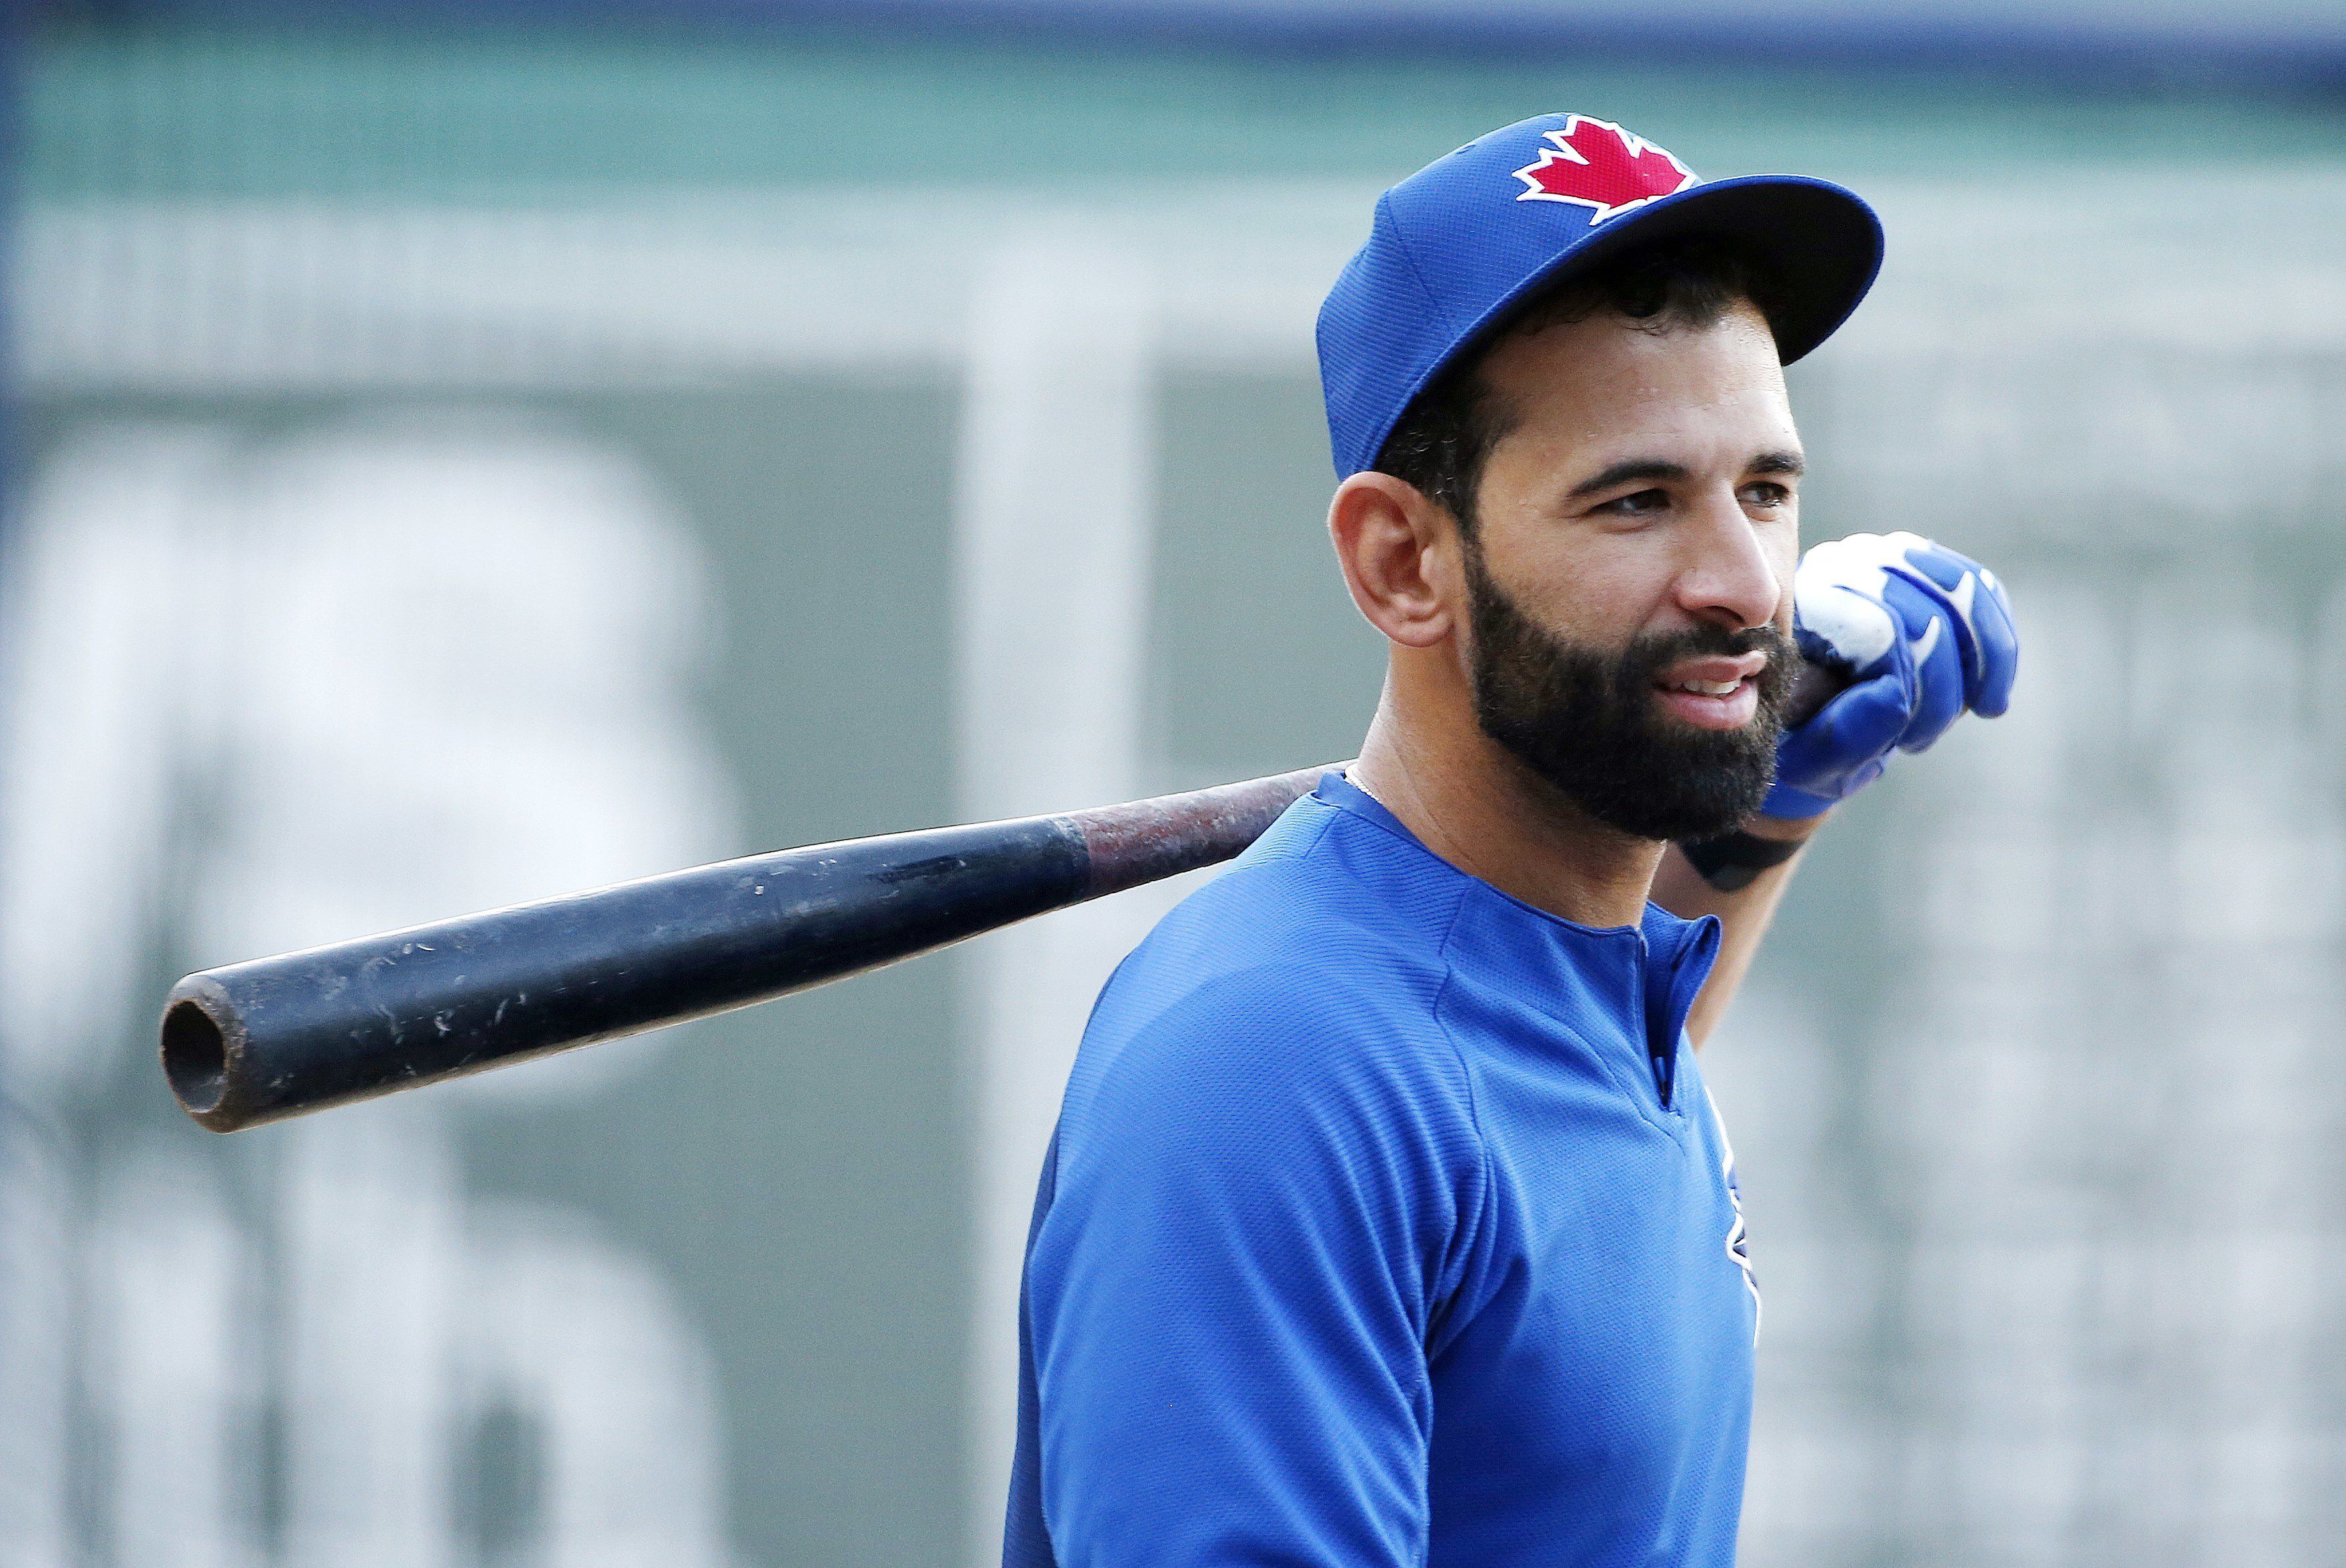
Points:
[(1716, 693)]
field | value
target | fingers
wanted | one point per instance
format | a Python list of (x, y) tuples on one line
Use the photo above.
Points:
[(1978, 609), (1999, 644), (1937, 649), (1867, 718), (1841, 747)]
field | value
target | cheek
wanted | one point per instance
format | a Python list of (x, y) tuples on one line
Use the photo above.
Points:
[(1598, 590)]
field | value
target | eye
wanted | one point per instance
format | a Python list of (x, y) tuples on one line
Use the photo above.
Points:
[(1764, 492), (1638, 504)]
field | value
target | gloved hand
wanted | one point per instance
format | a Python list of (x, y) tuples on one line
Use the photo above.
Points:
[(1922, 633)]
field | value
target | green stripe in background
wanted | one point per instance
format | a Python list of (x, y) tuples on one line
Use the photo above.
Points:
[(468, 112)]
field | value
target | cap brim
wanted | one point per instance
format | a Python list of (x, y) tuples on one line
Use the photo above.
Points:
[(1817, 246)]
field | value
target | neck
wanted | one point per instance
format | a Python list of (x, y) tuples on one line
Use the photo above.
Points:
[(1474, 804)]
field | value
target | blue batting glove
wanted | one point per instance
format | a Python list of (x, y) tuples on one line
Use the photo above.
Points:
[(1923, 633)]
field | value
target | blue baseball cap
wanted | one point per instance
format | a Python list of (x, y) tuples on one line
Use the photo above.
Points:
[(1458, 243)]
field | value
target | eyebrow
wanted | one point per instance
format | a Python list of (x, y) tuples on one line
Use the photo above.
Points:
[(1789, 464), (1624, 471)]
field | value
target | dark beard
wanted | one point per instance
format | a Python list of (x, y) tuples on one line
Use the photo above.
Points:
[(1592, 724)]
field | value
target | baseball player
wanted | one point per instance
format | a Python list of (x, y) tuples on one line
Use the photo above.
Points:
[(1388, 1221)]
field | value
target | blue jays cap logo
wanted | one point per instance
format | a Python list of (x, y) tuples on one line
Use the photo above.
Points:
[(1597, 164)]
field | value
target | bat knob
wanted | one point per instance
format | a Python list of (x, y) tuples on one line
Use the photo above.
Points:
[(1813, 687)]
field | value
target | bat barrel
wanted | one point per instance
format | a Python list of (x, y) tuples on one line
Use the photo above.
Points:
[(257, 1041)]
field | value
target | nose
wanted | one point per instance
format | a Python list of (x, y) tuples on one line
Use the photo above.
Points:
[(1728, 576)]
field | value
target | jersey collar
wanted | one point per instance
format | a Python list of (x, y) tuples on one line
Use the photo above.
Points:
[(1656, 967)]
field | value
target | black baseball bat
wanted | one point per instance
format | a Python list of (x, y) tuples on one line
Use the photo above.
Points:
[(275, 1037)]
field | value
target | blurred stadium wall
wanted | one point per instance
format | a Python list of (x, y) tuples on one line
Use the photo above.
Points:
[(459, 458)]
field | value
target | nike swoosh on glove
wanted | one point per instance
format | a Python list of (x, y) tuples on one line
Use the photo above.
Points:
[(1923, 634)]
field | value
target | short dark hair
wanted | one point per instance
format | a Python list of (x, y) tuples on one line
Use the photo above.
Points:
[(1445, 434)]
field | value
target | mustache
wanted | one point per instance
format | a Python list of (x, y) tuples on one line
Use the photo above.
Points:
[(1661, 647)]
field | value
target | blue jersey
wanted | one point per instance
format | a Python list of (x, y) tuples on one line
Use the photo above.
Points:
[(1387, 1223)]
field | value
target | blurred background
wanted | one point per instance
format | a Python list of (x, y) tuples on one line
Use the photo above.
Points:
[(461, 453)]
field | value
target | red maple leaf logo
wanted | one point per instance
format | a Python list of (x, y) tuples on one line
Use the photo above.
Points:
[(1598, 165)]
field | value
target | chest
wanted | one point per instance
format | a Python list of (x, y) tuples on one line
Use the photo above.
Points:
[(1604, 1337)]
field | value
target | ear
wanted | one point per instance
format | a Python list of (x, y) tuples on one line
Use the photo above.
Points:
[(1399, 550)]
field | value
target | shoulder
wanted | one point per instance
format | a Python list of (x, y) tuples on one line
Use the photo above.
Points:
[(1287, 998), (1267, 1108), (1326, 910)]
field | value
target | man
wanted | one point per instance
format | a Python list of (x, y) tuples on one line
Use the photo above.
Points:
[(1387, 1221)]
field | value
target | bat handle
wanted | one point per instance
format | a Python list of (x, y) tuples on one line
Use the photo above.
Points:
[(1145, 840), (1815, 685)]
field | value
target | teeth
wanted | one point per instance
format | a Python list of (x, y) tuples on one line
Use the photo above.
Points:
[(1710, 688)]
